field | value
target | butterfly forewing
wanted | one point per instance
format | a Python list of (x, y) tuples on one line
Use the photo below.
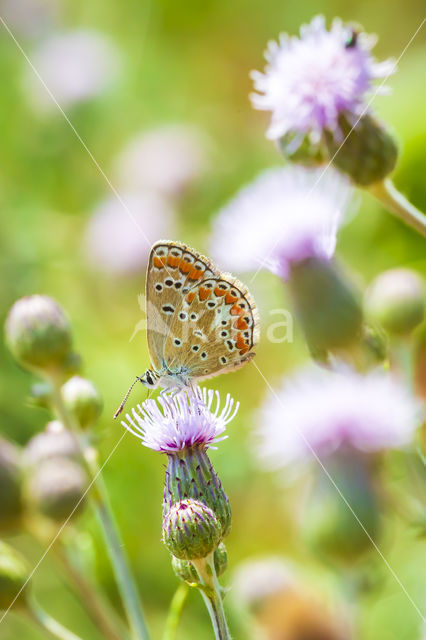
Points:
[(173, 269)]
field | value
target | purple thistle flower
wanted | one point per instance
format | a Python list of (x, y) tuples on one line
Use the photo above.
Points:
[(177, 421), (284, 216), (324, 411), (309, 81)]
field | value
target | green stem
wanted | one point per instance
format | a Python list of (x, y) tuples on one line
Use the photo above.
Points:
[(397, 204), (106, 518), (210, 591), (48, 624), (175, 612)]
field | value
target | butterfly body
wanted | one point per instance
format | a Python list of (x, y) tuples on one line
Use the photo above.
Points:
[(200, 322)]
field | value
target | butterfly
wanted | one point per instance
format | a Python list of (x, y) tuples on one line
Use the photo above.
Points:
[(200, 322)]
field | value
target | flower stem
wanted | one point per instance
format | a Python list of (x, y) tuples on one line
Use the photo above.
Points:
[(397, 204), (210, 591), (175, 611), (47, 623), (111, 533)]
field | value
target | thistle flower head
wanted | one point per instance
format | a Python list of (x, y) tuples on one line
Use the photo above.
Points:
[(177, 421), (191, 530), (285, 215), (320, 411), (309, 81)]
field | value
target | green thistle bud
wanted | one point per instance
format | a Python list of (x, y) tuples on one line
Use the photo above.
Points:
[(368, 154), (190, 474), (11, 506), (329, 525), (304, 149), (38, 333), (326, 304), (396, 299), (14, 574), (82, 399), (191, 530), (56, 488), (185, 570), (54, 442)]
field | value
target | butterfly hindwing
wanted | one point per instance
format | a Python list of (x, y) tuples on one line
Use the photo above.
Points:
[(215, 328)]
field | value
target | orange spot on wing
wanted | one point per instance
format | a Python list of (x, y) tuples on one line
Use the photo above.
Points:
[(190, 296), (236, 311), (240, 342), (243, 351), (159, 261), (230, 299), (173, 261), (196, 274), (185, 267), (241, 324), (204, 293), (219, 292)]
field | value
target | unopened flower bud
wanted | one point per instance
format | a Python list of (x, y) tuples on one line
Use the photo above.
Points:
[(328, 525), (185, 570), (396, 299), (14, 575), (368, 153), (191, 530), (326, 304), (10, 486), (54, 442), (82, 399), (41, 395), (56, 488), (190, 474), (303, 149), (38, 333)]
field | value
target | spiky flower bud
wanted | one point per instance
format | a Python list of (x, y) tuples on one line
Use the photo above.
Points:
[(38, 333), (10, 485), (191, 530), (56, 488), (54, 442), (14, 574), (82, 399), (185, 570), (396, 299), (327, 306), (369, 152)]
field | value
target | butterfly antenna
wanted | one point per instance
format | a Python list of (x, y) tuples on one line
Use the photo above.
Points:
[(121, 407)]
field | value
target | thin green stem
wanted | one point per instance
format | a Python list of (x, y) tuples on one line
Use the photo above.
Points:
[(111, 534), (175, 611), (48, 624), (397, 204), (210, 591)]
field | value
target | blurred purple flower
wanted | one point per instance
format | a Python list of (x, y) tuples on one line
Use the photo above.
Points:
[(119, 243), (76, 66), (324, 411), (310, 80), (166, 159), (285, 215), (177, 421), (30, 17)]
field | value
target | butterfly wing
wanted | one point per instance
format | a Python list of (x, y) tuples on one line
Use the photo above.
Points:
[(173, 269), (215, 329)]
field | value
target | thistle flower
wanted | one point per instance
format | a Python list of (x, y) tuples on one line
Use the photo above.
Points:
[(167, 160), (184, 425), (283, 217), (117, 242), (310, 81), (191, 530), (325, 411), (287, 220), (76, 66)]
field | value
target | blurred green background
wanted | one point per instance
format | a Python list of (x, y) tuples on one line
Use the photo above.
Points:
[(186, 63)]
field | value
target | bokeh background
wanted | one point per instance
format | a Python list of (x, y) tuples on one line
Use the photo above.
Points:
[(181, 64)]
